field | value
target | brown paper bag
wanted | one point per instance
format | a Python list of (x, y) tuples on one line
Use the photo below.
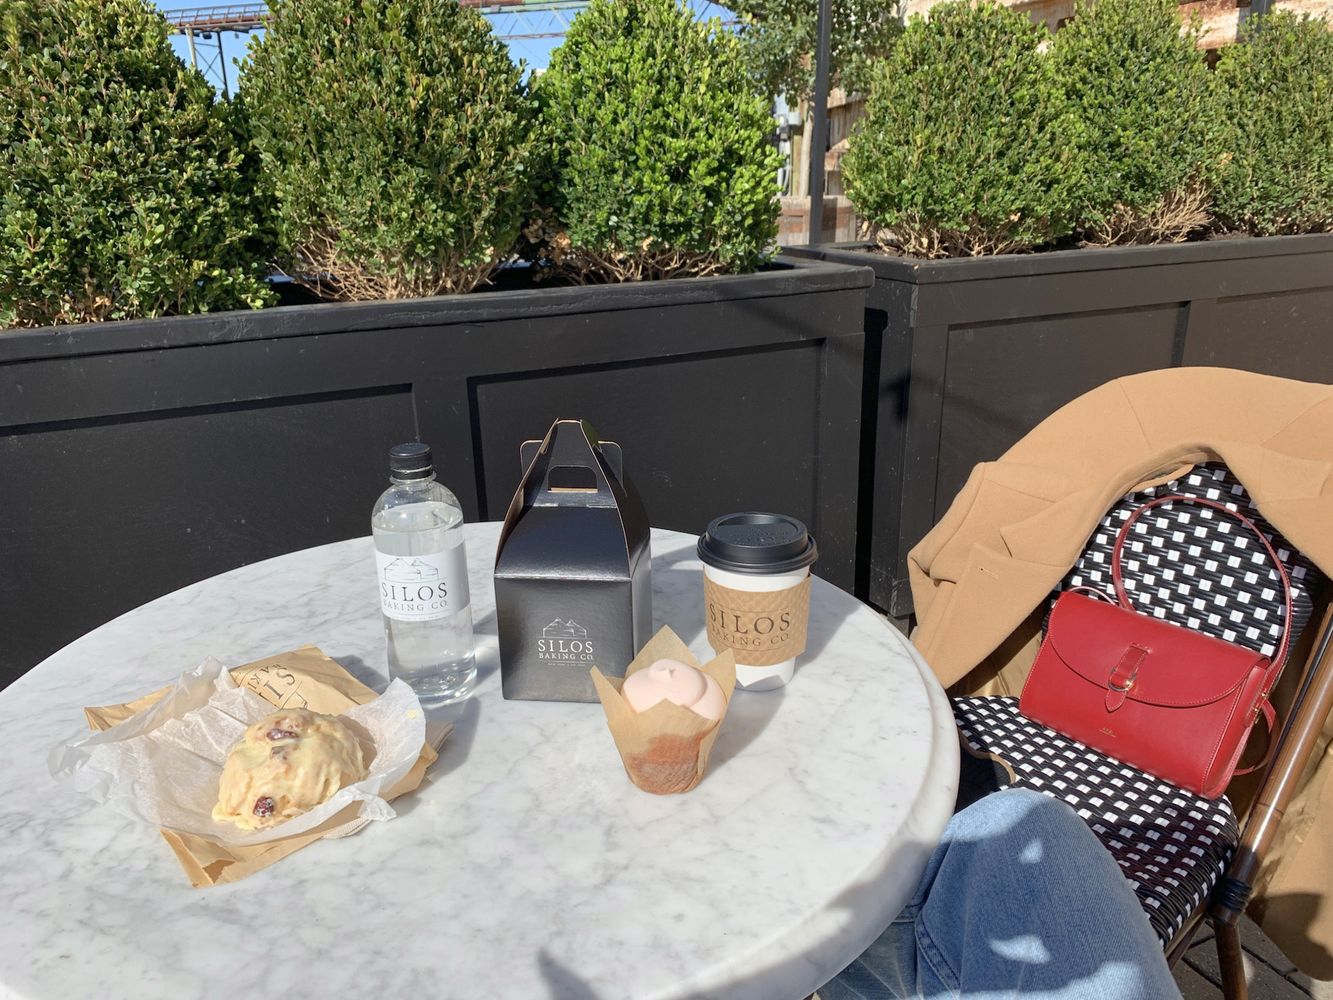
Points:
[(665, 749), (301, 678)]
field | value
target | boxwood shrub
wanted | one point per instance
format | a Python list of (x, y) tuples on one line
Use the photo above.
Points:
[(124, 185), (967, 146), (1138, 87), (397, 140), (661, 159), (1275, 96)]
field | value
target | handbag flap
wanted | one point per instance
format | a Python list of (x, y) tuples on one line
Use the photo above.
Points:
[(1179, 667)]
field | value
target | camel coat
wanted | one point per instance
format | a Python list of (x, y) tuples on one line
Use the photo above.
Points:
[(983, 573)]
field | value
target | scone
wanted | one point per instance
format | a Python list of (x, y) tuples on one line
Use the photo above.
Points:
[(284, 765)]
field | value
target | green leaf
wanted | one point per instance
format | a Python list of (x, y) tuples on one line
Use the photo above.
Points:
[(661, 158), (967, 145), (1275, 102), (398, 141), (126, 190)]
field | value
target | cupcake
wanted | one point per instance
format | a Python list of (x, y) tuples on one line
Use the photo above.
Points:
[(666, 712)]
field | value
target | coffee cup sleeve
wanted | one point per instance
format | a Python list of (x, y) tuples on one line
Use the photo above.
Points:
[(762, 627)]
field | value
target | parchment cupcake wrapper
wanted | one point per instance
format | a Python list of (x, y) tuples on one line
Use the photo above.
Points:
[(665, 749)]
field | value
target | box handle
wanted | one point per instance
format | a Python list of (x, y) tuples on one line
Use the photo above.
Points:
[(570, 467), (611, 452)]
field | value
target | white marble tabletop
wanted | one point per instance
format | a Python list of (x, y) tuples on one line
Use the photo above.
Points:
[(527, 865)]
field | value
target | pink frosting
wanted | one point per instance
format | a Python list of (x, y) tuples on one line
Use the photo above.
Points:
[(675, 682)]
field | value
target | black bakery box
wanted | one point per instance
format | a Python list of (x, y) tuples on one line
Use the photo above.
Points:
[(573, 584)]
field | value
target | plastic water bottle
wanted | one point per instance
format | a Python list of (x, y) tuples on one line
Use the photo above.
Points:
[(422, 564)]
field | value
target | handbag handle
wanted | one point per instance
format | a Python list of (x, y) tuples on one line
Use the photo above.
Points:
[(1287, 602), (1279, 658)]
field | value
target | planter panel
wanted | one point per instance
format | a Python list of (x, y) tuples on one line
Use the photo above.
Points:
[(994, 345), (118, 511), (994, 393), (704, 422), (136, 458), (1290, 334)]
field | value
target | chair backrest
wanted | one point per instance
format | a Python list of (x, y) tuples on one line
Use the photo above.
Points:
[(1201, 570), (1195, 568)]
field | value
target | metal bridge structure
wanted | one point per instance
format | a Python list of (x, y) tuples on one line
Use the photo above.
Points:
[(516, 22), (204, 27)]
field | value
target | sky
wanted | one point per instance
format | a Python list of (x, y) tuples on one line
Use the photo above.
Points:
[(534, 52)]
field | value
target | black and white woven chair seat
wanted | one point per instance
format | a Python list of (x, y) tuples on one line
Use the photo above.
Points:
[(1189, 566), (1172, 845)]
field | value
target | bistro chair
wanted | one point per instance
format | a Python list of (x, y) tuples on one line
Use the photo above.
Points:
[(1185, 856)]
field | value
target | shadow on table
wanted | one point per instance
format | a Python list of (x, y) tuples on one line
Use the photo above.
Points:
[(825, 621), (462, 715), (485, 634), (681, 588), (362, 671), (748, 716), (791, 979), (561, 982)]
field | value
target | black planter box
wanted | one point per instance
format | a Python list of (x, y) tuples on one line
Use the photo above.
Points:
[(138, 457), (964, 357)]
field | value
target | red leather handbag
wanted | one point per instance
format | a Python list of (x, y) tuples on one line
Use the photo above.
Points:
[(1168, 700)]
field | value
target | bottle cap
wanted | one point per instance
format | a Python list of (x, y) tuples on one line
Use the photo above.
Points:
[(411, 461), (755, 542)]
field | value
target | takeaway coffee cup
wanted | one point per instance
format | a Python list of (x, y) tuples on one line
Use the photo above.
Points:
[(757, 593)]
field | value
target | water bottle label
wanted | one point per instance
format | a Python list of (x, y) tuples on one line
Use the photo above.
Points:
[(423, 588)]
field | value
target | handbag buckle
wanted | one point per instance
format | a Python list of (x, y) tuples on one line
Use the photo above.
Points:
[(1121, 681), (1258, 707)]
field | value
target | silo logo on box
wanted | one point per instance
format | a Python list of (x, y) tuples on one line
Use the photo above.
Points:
[(564, 640)]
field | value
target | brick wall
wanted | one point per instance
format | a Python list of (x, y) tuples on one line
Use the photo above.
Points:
[(1220, 19), (840, 223)]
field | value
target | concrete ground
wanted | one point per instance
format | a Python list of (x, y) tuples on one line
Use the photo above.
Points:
[(1270, 975)]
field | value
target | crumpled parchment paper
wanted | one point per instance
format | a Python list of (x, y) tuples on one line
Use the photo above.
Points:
[(162, 765)]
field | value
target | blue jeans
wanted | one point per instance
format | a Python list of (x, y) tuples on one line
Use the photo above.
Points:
[(1020, 899)]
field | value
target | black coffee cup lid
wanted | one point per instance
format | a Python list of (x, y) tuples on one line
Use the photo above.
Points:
[(755, 542)]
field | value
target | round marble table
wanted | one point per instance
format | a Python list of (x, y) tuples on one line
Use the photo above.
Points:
[(527, 865)]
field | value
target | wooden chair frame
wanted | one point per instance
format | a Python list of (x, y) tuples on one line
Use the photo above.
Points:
[(1300, 733)]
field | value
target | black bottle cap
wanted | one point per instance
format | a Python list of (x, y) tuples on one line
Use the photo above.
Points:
[(758, 543), (411, 461)]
